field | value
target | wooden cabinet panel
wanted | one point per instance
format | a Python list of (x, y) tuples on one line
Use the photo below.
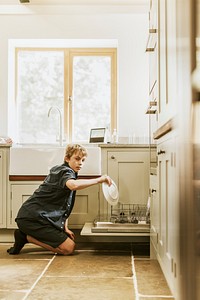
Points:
[(167, 57), (168, 213), (129, 168), (86, 207), (130, 171), (3, 185), (153, 65), (154, 213), (19, 193), (153, 15), (163, 100)]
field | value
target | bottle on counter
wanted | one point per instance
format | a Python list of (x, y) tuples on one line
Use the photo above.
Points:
[(115, 136), (108, 134)]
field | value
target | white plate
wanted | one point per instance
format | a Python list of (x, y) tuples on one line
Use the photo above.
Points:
[(110, 193)]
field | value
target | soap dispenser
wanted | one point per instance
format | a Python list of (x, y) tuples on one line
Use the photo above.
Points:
[(114, 136)]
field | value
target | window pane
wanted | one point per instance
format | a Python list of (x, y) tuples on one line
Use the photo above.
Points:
[(91, 94), (40, 86)]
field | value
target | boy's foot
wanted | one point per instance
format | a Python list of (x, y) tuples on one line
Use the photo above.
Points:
[(20, 241)]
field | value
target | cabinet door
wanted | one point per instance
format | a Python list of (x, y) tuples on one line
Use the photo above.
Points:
[(153, 14), (163, 100), (168, 218), (167, 61), (154, 213), (19, 194), (3, 188), (130, 171), (86, 207)]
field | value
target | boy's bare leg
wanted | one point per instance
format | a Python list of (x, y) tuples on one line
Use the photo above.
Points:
[(66, 248)]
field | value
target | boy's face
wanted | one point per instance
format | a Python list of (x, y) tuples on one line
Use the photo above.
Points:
[(76, 161)]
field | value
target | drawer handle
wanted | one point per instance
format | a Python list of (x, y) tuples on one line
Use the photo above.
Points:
[(153, 191), (112, 157), (161, 152)]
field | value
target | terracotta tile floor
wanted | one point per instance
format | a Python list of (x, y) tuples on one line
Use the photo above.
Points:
[(104, 274)]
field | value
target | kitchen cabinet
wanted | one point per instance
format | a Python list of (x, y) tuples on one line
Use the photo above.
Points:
[(152, 50), (86, 206), (19, 192), (129, 168), (167, 226), (154, 215), (4, 154), (167, 57), (164, 230), (164, 238)]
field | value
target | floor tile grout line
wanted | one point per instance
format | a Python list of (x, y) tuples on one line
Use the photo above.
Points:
[(89, 276), (156, 296), (135, 285), (39, 277)]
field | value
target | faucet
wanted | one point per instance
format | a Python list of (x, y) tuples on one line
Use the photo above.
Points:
[(60, 123)]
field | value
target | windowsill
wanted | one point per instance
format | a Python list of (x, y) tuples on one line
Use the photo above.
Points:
[(27, 145)]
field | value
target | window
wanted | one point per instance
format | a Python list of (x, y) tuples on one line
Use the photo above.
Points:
[(80, 83)]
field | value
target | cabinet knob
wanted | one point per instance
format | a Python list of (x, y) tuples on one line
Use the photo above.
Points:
[(112, 157), (161, 152)]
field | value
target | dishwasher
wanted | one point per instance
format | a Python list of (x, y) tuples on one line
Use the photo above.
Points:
[(124, 218), (121, 218)]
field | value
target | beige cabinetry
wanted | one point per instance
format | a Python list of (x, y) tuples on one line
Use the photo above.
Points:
[(168, 233), (167, 49), (164, 239), (19, 192), (152, 50), (86, 206), (168, 210), (154, 214), (129, 168), (4, 154)]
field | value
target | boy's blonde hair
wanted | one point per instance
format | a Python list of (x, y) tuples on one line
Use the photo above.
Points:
[(73, 148)]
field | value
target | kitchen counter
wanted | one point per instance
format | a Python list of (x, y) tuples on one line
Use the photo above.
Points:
[(3, 145), (5, 142), (119, 145)]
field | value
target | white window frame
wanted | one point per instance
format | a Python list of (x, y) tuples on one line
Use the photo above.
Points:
[(102, 49)]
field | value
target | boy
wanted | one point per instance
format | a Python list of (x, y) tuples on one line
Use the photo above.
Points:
[(42, 219)]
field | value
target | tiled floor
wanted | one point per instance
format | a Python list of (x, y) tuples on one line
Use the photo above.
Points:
[(106, 274)]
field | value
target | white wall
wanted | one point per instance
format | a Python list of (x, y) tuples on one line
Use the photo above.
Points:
[(130, 29)]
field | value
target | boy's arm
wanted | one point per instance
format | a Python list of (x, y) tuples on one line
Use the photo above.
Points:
[(80, 184)]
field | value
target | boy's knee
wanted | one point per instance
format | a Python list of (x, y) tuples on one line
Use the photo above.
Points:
[(68, 251), (68, 248)]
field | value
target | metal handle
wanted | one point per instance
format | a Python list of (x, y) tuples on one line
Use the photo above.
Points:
[(161, 152), (112, 157), (150, 49), (152, 30), (153, 191)]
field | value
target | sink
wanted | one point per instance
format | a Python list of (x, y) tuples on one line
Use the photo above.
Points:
[(38, 160)]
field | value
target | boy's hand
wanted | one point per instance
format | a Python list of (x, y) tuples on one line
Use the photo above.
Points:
[(106, 179), (70, 234)]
